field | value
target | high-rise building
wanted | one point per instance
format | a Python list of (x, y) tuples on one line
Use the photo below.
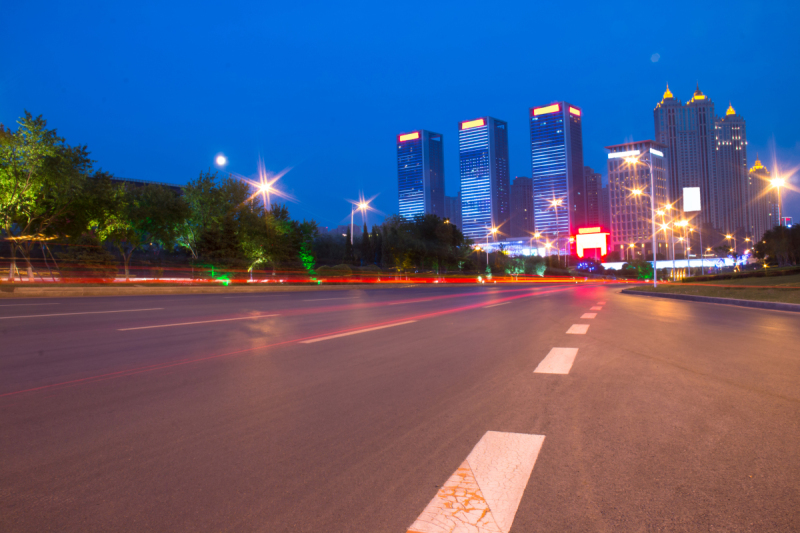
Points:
[(689, 133), (763, 201), (559, 197), (452, 209), (483, 152), (734, 210), (521, 207), (605, 208), (420, 173), (629, 193), (593, 183)]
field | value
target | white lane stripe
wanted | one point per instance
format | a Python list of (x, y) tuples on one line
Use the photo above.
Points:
[(201, 322), (601, 303), (578, 329), (324, 299), (17, 305), (84, 313), (356, 332), (412, 302), (588, 315), (495, 305), (558, 361), (483, 495), (596, 308)]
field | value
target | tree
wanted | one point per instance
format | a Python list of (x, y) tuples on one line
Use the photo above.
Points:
[(366, 248), (204, 210), (41, 179)]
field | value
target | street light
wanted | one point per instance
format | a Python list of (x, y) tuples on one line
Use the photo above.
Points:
[(361, 206), (555, 203)]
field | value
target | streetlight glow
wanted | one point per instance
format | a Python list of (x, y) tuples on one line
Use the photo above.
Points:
[(221, 160)]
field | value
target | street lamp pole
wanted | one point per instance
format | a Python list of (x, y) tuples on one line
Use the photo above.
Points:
[(634, 161)]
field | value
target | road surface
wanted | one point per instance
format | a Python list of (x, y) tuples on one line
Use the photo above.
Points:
[(551, 407)]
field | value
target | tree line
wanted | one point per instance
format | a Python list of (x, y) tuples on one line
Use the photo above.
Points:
[(53, 200)]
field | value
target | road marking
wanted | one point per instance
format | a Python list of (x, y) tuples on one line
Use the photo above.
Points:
[(588, 315), (601, 303), (325, 299), (412, 301), (495, 305), (201, 322), (17, 305), (558, 361), (596, 308), (356, 331), (483, 495), (84, 313), (578, 329)]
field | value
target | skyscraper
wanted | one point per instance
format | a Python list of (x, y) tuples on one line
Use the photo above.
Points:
[(689, 133), (557, 170), (733, 195), (483, 153), (593, 182), (521, 207), (763, 201), (605, 208), (452, 209), (420, 173), (629, 192)]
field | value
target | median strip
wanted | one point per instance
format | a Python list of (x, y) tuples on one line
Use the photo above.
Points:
[(328, 337), (483, 495), (201, 322), (84, 313)]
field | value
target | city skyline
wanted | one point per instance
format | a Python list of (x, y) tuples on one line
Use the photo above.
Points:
[(280, 99)]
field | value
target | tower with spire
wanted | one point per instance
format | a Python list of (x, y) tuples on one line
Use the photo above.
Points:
[(735, 208), (688, 131)]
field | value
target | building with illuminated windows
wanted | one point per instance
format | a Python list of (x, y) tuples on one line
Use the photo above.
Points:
[(420, 173), (559, 195), (629, 195), (521, 207), (734, 198), (483, 165), (594, 184), (452, 209), (689, 132), (764, 200)]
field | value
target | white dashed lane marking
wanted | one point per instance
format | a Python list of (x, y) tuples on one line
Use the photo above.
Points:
[(200, 322), (495, 305), (601, 303), (327, 337), (578, 329), (588, 315), (483, 495), (84, 313), (558, 361), (596, 308)]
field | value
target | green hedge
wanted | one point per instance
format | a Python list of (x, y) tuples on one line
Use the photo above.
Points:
[(740, 275)]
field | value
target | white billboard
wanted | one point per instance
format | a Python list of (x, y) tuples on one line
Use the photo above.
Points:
[(691, 199)]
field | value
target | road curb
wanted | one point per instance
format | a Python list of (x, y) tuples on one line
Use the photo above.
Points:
[(775, 306)]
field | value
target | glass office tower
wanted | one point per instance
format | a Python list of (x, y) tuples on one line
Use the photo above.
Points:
[(557, 170), (483, 151), (420, 174)]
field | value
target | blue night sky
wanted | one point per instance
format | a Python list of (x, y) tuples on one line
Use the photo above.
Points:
[(157, 89)]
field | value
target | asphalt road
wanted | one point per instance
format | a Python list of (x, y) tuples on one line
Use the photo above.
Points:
[(213, 413)]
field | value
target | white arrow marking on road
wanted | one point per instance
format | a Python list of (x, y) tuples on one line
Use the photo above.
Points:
[(558, 361), (588, 315), (578, 329), (483, 495), (596, 308)]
